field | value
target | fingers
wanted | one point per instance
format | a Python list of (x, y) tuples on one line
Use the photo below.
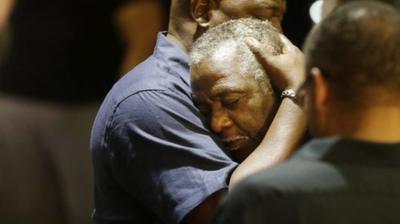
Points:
[(253, 44), (287, 45), (263, 52)]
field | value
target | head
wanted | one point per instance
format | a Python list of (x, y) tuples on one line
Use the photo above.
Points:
[(191, 18), (209, 13), (353, 60), (330, 5), (229, 85)]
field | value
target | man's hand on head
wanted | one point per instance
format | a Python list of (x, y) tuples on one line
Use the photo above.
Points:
[(286, 70)]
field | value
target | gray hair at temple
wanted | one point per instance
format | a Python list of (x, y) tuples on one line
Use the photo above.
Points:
[(357, 48), (231, 34)]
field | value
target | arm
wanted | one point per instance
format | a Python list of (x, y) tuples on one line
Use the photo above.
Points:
[(289, 125), (285, 133), (139, 36), (165, 158)]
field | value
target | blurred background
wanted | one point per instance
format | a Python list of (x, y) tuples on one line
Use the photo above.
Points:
[(58, 59)]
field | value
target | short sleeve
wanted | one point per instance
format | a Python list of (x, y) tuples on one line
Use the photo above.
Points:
[(162, 154)]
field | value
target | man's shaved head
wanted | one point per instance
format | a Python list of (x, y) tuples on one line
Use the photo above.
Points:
[(358, 47), (330, 5)]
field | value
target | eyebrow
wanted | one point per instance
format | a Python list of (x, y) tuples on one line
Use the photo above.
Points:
[(221, 91)]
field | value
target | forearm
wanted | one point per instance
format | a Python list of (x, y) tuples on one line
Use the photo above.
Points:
[(283, 137)]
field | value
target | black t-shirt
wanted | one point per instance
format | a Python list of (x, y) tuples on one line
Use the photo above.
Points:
[(330, 181), (62, 50)]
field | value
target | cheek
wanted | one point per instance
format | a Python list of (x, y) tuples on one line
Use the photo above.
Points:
[(253, 115)]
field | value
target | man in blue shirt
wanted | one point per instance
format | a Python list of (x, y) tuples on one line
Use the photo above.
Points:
[(154, 159)]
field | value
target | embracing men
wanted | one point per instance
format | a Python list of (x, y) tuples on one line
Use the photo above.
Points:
[(155, 161)]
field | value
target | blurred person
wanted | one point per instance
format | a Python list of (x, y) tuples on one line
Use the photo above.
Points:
[(155, 161), (230, 87), (4, 11), (63, 57), (139, 38), (329, 5), (349, 173)]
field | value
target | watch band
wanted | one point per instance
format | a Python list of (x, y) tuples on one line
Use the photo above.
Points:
[(289, 93)]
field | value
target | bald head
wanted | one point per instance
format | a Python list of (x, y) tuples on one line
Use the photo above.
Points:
[(357, 48), (330, 5)]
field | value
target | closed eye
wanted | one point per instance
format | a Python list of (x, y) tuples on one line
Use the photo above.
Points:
[(230, 103)]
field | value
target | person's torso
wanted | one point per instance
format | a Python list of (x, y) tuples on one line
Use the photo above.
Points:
[(61, 50)]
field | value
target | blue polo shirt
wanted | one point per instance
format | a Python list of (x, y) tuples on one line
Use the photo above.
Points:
[(154, 159)]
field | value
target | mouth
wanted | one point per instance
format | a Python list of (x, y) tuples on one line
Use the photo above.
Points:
[(234, 143)]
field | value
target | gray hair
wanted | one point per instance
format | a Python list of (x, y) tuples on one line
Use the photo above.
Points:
[(231, 34)]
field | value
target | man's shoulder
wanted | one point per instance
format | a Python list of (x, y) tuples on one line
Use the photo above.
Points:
[(298, 176), (150, 85), (153, 75)]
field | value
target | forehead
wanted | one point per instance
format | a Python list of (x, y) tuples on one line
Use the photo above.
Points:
[(242, 4), (221, 73), (222, 61)]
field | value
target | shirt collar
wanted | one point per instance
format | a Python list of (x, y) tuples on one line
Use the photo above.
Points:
[(175, 59), (342, 150)]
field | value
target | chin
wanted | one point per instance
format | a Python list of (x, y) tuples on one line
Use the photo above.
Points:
[(242, 153)]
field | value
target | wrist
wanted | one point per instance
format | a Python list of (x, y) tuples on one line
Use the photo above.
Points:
[(296, 81)]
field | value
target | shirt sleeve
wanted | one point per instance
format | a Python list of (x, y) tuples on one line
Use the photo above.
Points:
[(162, 154)]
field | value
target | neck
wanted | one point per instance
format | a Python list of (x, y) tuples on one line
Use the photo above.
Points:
[(378, 124), (182, 32)]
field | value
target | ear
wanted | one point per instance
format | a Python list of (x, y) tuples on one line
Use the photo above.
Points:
[(320, 89), (199, 10)]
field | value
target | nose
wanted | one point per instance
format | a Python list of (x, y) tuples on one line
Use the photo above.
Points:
[(220, 121)]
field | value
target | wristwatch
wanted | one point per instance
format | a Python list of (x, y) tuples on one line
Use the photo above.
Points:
[(289, 93)]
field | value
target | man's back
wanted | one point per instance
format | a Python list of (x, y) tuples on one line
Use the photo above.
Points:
[(329, 181), (154, 160)]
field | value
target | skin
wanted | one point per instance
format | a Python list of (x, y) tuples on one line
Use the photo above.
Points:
[(271, 10), (366, 122), (187, 22), (138, 37), (328, 6), (237, 105)]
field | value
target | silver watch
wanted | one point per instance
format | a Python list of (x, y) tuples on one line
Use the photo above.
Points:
[(289, 93)]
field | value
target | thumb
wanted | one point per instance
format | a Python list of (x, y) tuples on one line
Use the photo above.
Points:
[(287, 45), (263, 53)]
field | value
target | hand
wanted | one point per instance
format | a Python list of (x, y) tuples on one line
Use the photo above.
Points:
[(286, 70)]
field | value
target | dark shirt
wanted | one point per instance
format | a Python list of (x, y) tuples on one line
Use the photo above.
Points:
[(338, 181), (62, 50), (154, 160)]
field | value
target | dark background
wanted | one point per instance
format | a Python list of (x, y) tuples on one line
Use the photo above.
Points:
[(297, 21)]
